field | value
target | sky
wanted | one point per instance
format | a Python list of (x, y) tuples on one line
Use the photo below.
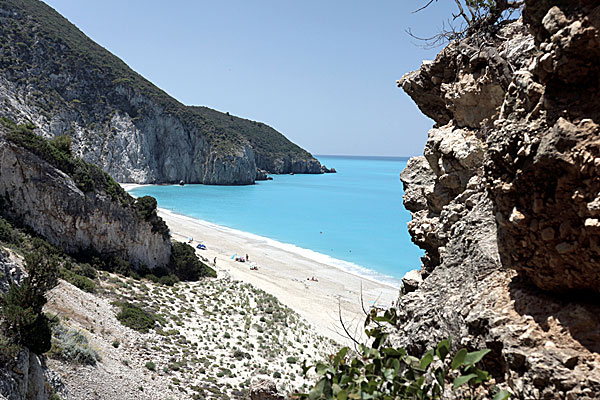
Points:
[(321, 72)]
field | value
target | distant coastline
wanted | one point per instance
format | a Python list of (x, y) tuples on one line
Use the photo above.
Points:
[(380, 158)]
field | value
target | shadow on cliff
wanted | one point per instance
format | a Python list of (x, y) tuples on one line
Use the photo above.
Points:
[(577, 313)]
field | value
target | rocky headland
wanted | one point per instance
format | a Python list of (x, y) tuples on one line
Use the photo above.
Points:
[(55, 77), (505, 201), (98, 216)]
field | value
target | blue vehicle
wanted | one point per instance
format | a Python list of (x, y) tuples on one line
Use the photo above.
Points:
[(201, 246)]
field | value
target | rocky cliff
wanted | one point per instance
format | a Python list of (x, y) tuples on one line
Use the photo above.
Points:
[(75, 217), (505, 201), (56, 77)]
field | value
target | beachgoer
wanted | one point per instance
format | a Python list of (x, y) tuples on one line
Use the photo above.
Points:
[(246, 256), (215, 261)]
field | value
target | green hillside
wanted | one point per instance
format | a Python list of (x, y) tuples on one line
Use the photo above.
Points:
[(43, 51)]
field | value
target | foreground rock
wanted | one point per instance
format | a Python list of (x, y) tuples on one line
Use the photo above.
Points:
[(504, 201)]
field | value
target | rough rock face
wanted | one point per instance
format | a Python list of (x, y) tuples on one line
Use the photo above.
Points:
[(54, 76), (505, 201), (25, 380), (48, 201), (264, 389)]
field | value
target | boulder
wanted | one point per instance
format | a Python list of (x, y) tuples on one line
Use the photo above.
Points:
[(264, 389)]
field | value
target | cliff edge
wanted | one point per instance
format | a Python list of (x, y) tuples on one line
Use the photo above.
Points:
[(75, 205), (505, 201)]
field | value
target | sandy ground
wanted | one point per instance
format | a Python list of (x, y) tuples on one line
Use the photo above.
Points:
[(285, 274)]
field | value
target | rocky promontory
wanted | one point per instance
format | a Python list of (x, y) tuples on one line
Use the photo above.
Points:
[(505, 201), (54, 76)]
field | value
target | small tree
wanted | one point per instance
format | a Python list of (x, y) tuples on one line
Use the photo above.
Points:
[(63, 143), (470, 16), (186, 265), (21, 314)]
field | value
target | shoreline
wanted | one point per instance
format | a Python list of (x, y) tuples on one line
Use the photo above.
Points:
[(286, 274)]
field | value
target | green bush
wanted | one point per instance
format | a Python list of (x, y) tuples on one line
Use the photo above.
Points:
[(151, 366), (8, 234), (21, 312), (82, 282), (167, 280), (146, 210), (71, 345), (134, 317), (380, 371), (186, 265), (63, 144)]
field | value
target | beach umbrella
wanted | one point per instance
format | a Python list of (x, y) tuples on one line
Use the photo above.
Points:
[(233, 256)]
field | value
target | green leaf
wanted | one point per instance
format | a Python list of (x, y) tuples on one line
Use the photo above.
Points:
[(342, 395), (440, 376), (476, 356), (443, 348), (502, 395), (400, 352), (459, 359), (461, 380), (427, 359)]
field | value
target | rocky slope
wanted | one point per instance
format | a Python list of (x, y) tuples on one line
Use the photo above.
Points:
[(47, 200), (504, 201), (56, 77)]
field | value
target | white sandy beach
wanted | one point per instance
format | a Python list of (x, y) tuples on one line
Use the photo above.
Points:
[(285, 274)]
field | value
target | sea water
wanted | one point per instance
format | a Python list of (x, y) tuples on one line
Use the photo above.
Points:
[(354, 219)]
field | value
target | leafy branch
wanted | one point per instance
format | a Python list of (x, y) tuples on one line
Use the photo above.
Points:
[(381, 371)]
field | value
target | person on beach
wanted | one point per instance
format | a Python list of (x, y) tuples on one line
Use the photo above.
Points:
[(215, 261), (246, 256)]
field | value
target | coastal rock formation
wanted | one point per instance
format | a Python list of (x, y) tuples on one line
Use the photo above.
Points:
[(505, 201), (54, 76), (48, 201)]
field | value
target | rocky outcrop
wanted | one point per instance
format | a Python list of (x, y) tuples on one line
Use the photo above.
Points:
[(504, 201), (25, 376), (25, 379), (264, 389), (54, 76), (49, 202)]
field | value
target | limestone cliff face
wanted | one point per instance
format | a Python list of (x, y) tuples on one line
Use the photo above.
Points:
[(48, 201), (56, 77), (505, 201)]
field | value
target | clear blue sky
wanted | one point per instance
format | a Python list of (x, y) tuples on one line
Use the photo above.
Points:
[(321, 72)]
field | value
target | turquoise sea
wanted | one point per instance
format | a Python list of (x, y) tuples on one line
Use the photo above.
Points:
[(353, 219)]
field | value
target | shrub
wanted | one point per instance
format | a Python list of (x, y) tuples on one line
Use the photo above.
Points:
[(151, 366), (8, 234), (186, 265), (82, 282), (134, 317), (71, 345), (291, 360), (381, 371), (63, 144), (21, 312)]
